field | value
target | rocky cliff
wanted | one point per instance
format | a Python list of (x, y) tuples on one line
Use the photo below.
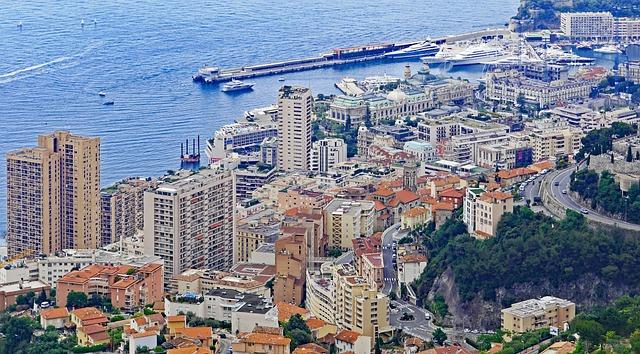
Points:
[(587, 291)]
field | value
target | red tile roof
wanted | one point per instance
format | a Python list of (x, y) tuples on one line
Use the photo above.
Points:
[(347, 336)]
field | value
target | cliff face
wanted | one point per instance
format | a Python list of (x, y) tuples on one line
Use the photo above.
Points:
[(587, 291)]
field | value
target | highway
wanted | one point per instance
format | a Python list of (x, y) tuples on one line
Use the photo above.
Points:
[(563, 178), (389, 272)]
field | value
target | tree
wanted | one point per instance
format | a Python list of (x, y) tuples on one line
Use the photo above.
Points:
[(590, 331), (42, 297), (378, 347), (439, 336), (629, 154), (638, 155), (18, 333), (297, 330), (347, 123), (76, 299), (612, 161)]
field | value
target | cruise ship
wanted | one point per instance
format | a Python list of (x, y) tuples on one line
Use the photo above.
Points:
[(237, 85), (478, 54), (423, 49)]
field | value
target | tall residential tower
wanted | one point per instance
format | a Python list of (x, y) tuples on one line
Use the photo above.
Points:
[(53, 195), (294, 128)]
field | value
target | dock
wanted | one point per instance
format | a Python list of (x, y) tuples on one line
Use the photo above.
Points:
[(337, 57)]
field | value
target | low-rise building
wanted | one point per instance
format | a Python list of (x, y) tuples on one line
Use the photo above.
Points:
[(352, 342), (56, 317), (250, 314), (91, 335), (490, 207), (261, 341), (630, 71), (410, 267), (10, 292), (145, 339), (533, 314), (242, 277), (88, 316), (126, 286)]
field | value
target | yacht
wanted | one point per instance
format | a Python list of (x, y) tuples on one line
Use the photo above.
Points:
[(424, 48), (608, 49), (554, 56), (109, 103), (237, 85), (478, 54), (445, 53), (102, 93)]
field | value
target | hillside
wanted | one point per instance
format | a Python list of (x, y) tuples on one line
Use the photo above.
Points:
[(542, 14), (531, 256)]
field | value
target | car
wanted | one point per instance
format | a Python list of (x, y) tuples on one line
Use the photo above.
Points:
[(584, 211), (564, 191), (556, 183)]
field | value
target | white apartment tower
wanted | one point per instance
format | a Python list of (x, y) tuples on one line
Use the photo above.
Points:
[(189, 221), (294, 128), (327, 153)]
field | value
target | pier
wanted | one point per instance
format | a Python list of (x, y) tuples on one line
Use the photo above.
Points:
[(337, 57)]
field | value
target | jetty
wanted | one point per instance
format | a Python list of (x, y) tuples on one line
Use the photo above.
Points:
[(337, 57)]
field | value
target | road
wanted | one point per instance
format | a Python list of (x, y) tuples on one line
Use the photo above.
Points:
[(563, 178), (389, 272), (421, 326)]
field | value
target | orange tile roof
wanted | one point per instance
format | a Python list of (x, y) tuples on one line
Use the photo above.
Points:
[(49, 314), (291, 212), (95, 328), (347, 336), (488, 196), (405, 196), (315, 323), (140, 321), (413, 258), (516, 172), (310, 348), (383, 192), (543, 165), (88, 313), (266, 338), (178, 318), (144, 334), (451, 193), (444, 206), (379, 205), (482, 233), (286, 311), (417, 211), (190, 350), (196, 332)]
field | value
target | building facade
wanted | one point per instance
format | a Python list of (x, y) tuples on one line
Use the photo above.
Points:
[(295, 105), (206, 198), (345, 220), (533, 314), (327, 153), (53, 195)]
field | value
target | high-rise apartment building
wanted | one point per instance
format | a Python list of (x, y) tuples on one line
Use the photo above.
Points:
[(189, 221), (53, 195), (123, 208), (359, 307), (327, 153), (291, 266), (345, 220), (294, 128)]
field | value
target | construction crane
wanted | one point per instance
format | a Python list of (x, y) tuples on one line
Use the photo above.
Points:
[(24, 254)]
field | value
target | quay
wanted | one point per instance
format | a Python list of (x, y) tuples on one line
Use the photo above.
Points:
[(338, 56)]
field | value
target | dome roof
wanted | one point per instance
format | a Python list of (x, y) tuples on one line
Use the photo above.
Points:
[(396, 95)]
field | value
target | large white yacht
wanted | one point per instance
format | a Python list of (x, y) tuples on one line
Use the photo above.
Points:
[(558, 56), (424, 48), (608, 49), (478, 54)]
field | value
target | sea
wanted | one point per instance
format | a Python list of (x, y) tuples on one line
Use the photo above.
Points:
[(143, 53)]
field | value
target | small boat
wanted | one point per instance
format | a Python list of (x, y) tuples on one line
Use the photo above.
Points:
[(102, 93), (95, 22), (82, 22), (608, 49), (19, 25), (237, 85), (109, 103), (281, 79)]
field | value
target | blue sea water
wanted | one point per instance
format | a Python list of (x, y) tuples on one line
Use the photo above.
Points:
[(143, 53)]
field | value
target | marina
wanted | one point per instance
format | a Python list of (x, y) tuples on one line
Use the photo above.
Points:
[(342, 56)]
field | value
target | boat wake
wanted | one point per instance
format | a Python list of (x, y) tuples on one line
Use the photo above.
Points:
[(42, 68)]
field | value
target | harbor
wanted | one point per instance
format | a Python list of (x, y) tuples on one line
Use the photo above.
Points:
[(337, 57)]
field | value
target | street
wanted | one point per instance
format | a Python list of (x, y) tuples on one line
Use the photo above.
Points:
[(563, 178)]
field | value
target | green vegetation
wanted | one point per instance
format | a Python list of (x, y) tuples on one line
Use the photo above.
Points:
[(439, 307), (525, 340), (334, 252), (77, 299), (525, 245), (618, 84), (612, 329), (599, 141), (297, 330), (89, 349), (195, 321), (405, 239), (439, 336), (323, 128), (604, 192)]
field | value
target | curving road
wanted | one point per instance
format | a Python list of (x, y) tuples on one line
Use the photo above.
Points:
[(563, 178)]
